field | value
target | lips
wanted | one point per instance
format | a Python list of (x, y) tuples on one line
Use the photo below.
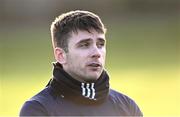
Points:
[(94, 64)]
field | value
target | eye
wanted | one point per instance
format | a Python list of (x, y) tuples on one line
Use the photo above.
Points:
[(84, 44), (100, 44)]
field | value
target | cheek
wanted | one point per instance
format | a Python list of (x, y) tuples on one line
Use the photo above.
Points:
[(103, 56), (104, 53), (75, 59)]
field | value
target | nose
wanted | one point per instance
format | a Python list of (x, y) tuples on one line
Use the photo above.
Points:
[(96, 52)]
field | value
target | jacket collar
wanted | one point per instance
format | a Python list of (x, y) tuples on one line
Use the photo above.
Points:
[(87, 93)]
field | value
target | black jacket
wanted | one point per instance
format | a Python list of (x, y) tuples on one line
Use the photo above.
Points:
[(65, 96)]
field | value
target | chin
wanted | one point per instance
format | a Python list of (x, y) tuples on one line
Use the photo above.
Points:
[(93, 78), (93, 75)]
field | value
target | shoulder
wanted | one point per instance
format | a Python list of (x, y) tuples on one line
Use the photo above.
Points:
[(125, 102), (33, 108), (119, 97), (38, 104)]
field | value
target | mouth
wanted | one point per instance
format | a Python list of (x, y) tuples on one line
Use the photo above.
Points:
[(94, 65)]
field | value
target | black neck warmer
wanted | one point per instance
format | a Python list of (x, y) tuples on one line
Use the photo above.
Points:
[(85, 93)]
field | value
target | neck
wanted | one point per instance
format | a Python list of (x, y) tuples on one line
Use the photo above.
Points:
[(78, 78)]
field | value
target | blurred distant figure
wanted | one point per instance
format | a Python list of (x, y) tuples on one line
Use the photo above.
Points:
[(80, 84)]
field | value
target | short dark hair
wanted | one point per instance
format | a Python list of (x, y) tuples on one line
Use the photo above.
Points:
[(72, 21)]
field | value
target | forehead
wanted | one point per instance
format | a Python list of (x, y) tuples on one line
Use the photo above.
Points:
[(82, 35)]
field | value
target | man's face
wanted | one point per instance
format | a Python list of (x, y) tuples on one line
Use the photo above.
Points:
[(85, 58)]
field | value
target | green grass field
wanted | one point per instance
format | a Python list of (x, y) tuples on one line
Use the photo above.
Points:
[(142, 60)]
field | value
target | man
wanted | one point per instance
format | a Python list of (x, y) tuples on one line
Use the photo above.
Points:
[(80, 84)]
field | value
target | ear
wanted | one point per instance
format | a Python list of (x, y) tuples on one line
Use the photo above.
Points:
[(60, 55)]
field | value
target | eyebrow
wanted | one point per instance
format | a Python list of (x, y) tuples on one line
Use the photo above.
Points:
[(89, 39), (84, 40), (102, 39)]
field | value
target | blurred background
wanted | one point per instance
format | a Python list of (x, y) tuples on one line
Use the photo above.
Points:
[(143, 50)]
